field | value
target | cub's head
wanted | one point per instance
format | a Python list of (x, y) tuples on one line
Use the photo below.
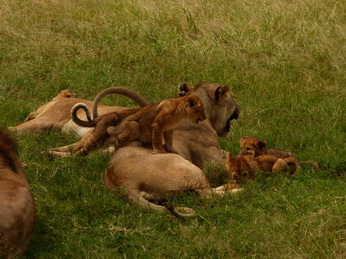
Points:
[(238, 167), (259, 147), (219, 104), (195, 108)]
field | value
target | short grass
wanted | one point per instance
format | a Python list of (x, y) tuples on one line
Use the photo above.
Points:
[(286, 63)]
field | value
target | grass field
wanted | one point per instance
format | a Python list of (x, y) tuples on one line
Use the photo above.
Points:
[(286, 62)]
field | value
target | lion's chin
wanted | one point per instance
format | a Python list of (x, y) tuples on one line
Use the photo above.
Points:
[(223, 134)]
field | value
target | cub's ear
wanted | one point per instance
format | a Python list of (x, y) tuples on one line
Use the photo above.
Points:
[(184, 88), (220, 91), (243, 139), (261, 145), (191, 101), (229, 156)]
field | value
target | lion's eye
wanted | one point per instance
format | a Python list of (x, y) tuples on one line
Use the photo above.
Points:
[(247, 148), (245, 174)]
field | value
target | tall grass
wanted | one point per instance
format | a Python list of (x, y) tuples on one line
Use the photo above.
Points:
[(286, 63)]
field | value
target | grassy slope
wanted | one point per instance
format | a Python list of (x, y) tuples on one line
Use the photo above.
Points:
[(286, 63)]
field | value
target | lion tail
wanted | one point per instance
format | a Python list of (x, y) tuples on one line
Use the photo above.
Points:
[(78, 121), (293, 163), (311, 162), (135, 196), (140, 100)]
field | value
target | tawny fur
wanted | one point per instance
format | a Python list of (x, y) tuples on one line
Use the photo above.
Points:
[(17, 208), (99, 136), (260, 148), (147, 174), (198, 143), (147, 125), (153, 123), (56, 114), (244, 167)]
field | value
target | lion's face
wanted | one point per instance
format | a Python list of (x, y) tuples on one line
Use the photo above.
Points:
[(252, 144), (238, 168), (219, 104)]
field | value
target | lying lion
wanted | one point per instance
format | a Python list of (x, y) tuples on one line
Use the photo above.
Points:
[(17, 207), (259, 147), (56, 114), (148, 176), (244, 167)]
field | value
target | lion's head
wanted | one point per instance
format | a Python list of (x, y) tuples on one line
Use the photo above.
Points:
[(219, 104), (238, 168), (252, 144)]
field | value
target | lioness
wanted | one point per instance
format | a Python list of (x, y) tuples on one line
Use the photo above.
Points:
[(56, 113), (243, 167), (17, 207), (198, 143), (259, 147), (145, 175)]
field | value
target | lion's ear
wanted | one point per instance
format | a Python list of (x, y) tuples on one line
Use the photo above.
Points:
[(191, 101), (229, 156), (68, 94), (261, 145), (243, 139), (229, 159), (184, 88), (221, 91)]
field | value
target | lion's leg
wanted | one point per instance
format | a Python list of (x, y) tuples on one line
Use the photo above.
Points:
[(227, 189), (99, 136), (168, 136), (31, 116), (126, 132), (86, 144), (293, 164), (280, 165), (95, 139), (157, 136), (135, 196), (37, 125), (71, 148), (204, 192)]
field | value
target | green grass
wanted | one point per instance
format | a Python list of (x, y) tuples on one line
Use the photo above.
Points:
[(286, 62)]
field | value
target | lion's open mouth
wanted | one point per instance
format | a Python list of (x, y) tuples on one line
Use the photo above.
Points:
[(234, 116), (228, 124)]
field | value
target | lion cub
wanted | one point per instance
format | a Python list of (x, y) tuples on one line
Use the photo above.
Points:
[(243, 167), (153, 123), (259, 147)]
